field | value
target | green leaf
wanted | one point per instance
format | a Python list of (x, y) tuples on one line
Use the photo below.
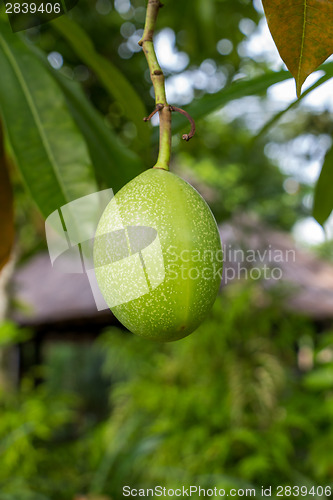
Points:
[(49, 150), (11, 333), (212, 102), (109, 75), (320, 379), (323, 196), (302, 32), (114, 163), (6, 208)]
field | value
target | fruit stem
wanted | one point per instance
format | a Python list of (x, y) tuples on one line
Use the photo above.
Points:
[(157, 78)]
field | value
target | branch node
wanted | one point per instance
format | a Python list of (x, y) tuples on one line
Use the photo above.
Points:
[(158, 108), (157, 3), (148, 38)]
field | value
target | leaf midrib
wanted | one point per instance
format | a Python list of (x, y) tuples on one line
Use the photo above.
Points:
[(302, 42), (34, 113)]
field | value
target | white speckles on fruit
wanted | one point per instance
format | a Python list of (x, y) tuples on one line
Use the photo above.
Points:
[(164, 291)]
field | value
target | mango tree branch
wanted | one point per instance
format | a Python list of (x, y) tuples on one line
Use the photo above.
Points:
[(157, 78)]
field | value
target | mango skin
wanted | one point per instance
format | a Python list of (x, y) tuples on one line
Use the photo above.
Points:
[(190, 250)]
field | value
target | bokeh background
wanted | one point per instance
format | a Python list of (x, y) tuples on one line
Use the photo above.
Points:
[(247, 400)]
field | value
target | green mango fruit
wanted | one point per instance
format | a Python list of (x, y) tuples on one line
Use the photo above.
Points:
[(158, 256)]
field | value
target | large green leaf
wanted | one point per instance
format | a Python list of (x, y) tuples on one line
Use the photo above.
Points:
[(302, 32), (49, 150), (109, 75), (323, 197), (212, 102), (6, 208), (114, 163)]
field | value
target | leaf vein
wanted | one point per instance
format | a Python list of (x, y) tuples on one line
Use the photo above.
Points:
[(302, 42)]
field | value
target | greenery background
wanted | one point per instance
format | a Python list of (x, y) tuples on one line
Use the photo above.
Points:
[(230, 406)]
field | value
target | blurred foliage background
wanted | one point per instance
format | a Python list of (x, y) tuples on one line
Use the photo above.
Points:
[(234, 405)]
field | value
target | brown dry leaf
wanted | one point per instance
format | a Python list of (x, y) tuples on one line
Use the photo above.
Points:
[(6, 209), (303, 33)]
